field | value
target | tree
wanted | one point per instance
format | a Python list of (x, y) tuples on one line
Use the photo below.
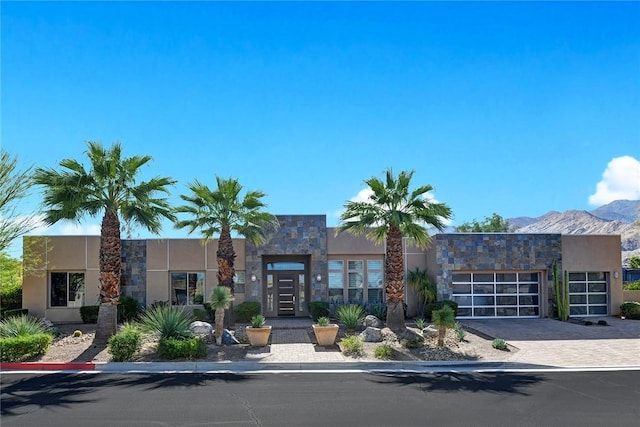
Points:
[(419, 280), (14, 187), (10, 282), (634, 262), (111, 188), (223, 211), (443, 319), (220, 301), (491, 224), (391, 213)]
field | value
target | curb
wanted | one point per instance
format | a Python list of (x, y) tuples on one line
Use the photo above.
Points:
[(47, 366)]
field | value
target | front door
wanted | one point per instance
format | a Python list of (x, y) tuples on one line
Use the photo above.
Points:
[(286, 290)]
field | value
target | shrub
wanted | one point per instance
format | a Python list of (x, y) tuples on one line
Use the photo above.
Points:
[(18, 348), (318, 309), (246, 310), (413, 342), (201, 315), (351, 315), (15, 312), (630, 310), (377, 309), (167, 322), (384, 351), (10, 296), (632, 286), (190, 348), (125, 343), (499, 344), (460, 332), (128, 309), (430, 308), (352, 345), (21, 326), (89, 313), (257, 321), (420, 323)]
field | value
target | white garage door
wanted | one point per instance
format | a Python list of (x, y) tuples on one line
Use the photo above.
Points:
[(588, 294), (496, 294)]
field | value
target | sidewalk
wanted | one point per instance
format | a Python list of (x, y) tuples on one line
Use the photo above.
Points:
[(541, 344)]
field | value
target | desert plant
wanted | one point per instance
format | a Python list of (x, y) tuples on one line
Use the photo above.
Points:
[(562, 293), (77, 333), (430, 308), (420, 322), (351, 315), (17, 348), (318, 309), (499, 344), (443, 319), (201, 315), (257, 321), (384, 351), (630, 310), (167, 322), (632, 286), (426, 291), (246, 310), (352, 345), (20, 326), (460, 332), (377, 309), (413, 341), (189, 348), (89, 313), (125, 343), (323, 321), (128, 309), (221, 299)]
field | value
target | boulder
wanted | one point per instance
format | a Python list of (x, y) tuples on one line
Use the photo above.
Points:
[(201, 328), (228, 338), (430, 331), (372, 321), (371, 334)]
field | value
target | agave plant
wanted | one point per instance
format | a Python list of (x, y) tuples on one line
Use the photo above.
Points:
[(167, 322), (20, 326), (351, 315)]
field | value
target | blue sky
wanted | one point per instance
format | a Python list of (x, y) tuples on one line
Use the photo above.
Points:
[(514, 108)]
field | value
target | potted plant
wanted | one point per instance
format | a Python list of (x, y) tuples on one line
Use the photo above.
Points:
[(258, 333), (325, 332)]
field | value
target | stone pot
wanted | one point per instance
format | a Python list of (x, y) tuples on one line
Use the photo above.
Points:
[(326, 335), (258, 337)]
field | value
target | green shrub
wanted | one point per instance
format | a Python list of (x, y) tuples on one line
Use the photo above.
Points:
[(167, 322), (125, 343), (630, 310), (430, 308), (352, 345), (499, 344), (15, 312), (413, 342), (190, 348), (10, 296), (384, 351), (460, 332), (201, 315), (377, 309), (19, 348), (128, 309), (89, 313), (632, 286), (351, 315), (318, 309), (20, 326), (246, 310)]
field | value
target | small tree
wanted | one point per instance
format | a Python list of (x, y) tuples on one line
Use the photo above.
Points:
[(634, 262), (427, 293), (491, 224), (443, 319), (221, 299), (14, 187)]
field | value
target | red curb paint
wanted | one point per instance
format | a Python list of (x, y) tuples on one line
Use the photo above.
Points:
[(44, 366)]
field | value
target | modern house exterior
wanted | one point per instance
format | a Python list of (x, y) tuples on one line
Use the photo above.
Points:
[(490, 275)]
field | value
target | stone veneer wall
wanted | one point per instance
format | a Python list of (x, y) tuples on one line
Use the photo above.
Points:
[(298, 235), (134, 269), (492, 252)]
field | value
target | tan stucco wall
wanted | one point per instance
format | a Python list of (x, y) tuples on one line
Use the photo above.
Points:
[(631, 296), (347, 243), (596, 253)]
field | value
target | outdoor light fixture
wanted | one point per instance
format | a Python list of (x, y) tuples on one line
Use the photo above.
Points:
[(615, 274), (319, 277), (253, 278)]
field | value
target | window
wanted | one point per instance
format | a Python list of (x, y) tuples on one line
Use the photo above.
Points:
[(336, 281), (356, 281), (239, 281), (67, 289), (187, 288), (374, 281)]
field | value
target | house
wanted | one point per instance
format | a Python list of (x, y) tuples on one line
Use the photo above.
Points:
[(489, 274)]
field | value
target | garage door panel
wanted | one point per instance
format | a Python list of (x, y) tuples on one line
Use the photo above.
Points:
[(588, 294)]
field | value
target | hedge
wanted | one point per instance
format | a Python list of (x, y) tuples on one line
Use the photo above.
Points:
[(630, 310), (246, 310), (190, 348), (16, 349), (318, 309)]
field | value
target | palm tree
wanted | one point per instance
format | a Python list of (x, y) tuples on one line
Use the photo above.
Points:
[(220, 301), (391, 213), (111, 188), (419, 280), (223, 211)]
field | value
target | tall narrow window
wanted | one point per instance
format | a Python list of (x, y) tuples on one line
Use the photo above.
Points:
[(356, 281), (67, 289), (336, 281), (374, 281)]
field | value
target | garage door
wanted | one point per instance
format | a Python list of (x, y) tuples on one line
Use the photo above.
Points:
[(496, 294), (588, 294)]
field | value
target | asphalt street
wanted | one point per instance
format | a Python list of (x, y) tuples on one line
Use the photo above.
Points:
[(322, 399)]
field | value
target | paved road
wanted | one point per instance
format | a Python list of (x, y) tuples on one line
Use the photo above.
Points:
[(297, 399)]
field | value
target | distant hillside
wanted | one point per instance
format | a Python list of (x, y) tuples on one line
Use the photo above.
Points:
[(615, 218)]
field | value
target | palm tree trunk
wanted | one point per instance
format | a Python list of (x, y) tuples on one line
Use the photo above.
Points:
[(442, 332), (226, 256), (219, 325), (394, 280), (110, 271)]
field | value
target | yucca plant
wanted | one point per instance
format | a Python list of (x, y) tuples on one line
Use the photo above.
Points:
[(351, 315), (20, 326), (167, 322), (443, 319), (221, 299)]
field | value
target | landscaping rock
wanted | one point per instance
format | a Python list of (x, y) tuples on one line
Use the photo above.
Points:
[(201, 328), (430, 331), (371, 334), (372, 321), (228, 338)]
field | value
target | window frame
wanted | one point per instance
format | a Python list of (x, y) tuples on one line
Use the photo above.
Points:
[(187, 273), (67, 290)]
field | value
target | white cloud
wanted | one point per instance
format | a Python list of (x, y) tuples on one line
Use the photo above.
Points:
[(620, 181), (74, 229)]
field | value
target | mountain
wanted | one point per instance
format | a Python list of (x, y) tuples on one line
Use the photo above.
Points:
[(615, 218)]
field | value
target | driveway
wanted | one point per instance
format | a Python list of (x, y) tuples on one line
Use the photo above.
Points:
[(549, 342)]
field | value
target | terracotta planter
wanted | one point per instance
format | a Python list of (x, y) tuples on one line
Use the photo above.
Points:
[(326, 335), (258, 337)]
